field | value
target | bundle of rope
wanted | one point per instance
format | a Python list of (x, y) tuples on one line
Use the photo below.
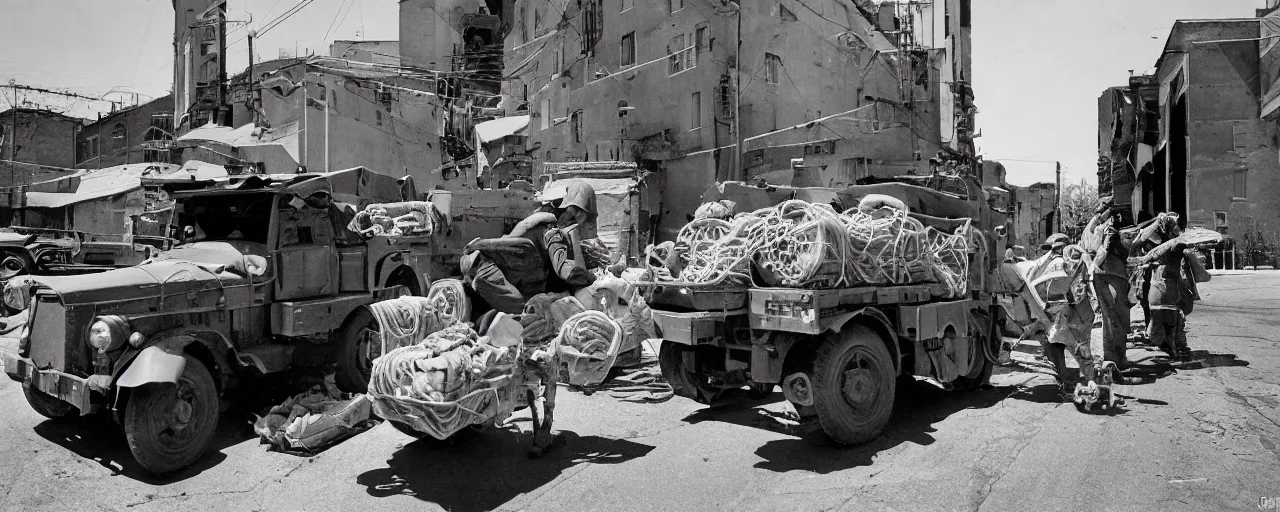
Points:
[(449, 298), (452, 379), (397, 219), (810, 245), (405, 320), (588, 345)]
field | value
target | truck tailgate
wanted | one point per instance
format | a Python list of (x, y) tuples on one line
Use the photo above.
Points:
[(804, 311)]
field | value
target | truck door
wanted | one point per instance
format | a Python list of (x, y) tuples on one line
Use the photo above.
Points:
[(306, 258)]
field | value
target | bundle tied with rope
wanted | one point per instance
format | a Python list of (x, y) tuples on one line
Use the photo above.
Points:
[(452, 379), (588, 345), (810, 245)]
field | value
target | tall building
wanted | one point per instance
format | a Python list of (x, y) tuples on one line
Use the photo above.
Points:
[(1199, 137), (700, 91)]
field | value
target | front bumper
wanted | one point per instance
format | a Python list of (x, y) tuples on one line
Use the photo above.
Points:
[(66, 387)]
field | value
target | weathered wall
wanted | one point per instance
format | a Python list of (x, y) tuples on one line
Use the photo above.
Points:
[(120, 135), (41, 137), (394, 137), (1232, 167)]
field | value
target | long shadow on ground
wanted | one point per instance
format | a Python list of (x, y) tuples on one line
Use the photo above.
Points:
[(919, 406), (478, 471), (101, 440)]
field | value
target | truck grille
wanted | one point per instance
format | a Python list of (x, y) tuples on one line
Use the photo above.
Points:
[(49, 333)]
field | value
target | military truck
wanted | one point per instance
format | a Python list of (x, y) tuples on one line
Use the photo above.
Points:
[(266, 275), (838, 354)]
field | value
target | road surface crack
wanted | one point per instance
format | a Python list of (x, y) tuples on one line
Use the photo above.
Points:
[(1004, 468)]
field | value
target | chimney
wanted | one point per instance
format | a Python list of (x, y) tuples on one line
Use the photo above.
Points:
[(418, 28)]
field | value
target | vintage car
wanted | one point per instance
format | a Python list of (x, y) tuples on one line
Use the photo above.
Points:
[(268, 275)]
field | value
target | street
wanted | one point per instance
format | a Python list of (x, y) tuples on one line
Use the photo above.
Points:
[(1206, 437)]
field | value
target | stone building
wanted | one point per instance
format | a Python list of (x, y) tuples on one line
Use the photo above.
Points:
[(136, 134), (1199, 137), (37, 136), (853, 88)]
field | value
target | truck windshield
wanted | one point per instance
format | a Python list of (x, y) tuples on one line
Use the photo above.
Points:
[(243, 217)]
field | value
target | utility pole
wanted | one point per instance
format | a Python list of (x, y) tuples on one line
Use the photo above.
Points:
[(738, 150), (1057, 199), (251, 76), (12, 139)]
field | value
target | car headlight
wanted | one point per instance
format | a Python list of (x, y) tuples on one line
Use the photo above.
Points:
[(107, 333)]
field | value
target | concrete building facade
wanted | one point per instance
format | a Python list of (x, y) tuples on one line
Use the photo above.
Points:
[(680, 85)]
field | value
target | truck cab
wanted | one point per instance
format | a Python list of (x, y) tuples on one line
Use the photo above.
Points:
[(267, 278)]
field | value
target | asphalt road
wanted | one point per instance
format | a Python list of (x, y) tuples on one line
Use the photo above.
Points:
[(1206, 437)]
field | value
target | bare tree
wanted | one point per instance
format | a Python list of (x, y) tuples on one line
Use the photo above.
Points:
[(1079, 203)]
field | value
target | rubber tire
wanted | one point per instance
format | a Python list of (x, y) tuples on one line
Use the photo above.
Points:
[(758, 391), (349, 376), (979, 376), (149, 451), (49, 406), (671, 362), (838, 418)]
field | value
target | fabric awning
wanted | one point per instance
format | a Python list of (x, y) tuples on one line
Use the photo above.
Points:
[(99, 184), (489, 131)]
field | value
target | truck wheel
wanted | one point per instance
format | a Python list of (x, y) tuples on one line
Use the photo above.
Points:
[(853, 385), (170, 427), (49, 406), (980, 374), (359, 345), (683, 382)]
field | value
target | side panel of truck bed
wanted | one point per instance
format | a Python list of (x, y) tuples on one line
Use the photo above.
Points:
[(804, 311)]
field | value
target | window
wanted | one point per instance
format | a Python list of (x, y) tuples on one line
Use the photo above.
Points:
[(772, 67), (628, 50), (1240, 185), (675, 5), (559, 59), (524, 30), (545, 113), (592, 25), (91, 147), (537, 20), (695, 111), (576, 121), (700, 38), (627, 5), (680, 55), (1220, 221)]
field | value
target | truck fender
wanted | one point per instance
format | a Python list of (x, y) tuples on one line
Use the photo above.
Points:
[(152, 366), (874, 319), (395, 270)]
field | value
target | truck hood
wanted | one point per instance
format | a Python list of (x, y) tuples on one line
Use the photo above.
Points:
[(152, 279)]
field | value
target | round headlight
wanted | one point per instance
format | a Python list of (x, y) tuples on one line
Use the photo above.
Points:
[(102, 338)]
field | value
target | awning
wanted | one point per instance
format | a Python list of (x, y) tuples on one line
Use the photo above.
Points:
[(99, 184), (489, 131)]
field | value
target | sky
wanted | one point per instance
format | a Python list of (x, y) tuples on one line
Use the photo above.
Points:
[(1039, 65)]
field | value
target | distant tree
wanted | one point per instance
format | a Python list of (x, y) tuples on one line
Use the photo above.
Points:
[(1079, 202)]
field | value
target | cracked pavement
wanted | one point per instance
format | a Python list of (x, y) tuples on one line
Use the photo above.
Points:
[(1206, 437)]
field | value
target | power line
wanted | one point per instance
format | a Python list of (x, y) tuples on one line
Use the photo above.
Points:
[(333, 23)]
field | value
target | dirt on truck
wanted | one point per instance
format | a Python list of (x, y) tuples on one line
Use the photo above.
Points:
[(838, 296)]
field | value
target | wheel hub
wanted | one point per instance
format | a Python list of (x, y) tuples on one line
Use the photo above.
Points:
[(859, 387)]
